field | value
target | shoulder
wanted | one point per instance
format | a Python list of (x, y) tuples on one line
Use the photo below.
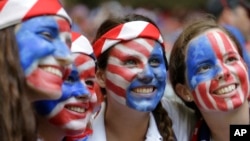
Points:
[(183, 118)]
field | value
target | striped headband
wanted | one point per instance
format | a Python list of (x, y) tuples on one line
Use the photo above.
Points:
[(15, 11), (124, 32), (80, 44)]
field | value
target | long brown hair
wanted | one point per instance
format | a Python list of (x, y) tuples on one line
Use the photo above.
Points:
[(17, 122), (164, 123)]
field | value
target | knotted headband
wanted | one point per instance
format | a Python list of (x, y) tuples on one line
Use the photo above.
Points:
[(15, 11), (124, 32), (80, 44)]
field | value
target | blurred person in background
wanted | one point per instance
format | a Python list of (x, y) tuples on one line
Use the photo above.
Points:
[(234, 13)]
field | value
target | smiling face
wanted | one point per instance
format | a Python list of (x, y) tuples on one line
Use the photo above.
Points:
[(136, 73), (73, 110), (216, 73), (44, 51)]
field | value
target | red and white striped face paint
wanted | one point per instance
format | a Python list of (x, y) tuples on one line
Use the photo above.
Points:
[(130, 60), (216, 72), (86, 68)]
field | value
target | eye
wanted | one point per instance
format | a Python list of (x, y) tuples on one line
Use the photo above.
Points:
[(47, 35), (130, 63), (231, 59), (89, 83), (154, 62), (203, 68)]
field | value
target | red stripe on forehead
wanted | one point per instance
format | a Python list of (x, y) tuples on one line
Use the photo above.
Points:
[(226, 41), (63, 25), (216, 38), (114, 88), (80, 59), (214, 43)]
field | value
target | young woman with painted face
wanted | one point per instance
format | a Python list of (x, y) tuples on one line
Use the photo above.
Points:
[(24, 40), (43, 39), (132, 71), (70, 115), (207, 71)]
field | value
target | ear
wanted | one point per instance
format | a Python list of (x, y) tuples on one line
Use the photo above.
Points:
[(100, 78), (184, 92)]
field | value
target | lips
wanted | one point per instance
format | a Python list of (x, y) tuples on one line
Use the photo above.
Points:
[(78, 108), (225, 90), (144, 90), (58, 71)]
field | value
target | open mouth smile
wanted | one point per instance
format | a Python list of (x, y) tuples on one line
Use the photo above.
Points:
[(144, 90), (226, 89), (53, 70)]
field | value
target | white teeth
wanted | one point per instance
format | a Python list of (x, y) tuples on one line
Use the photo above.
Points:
[(76, 109), (143, 90), (53, 70), (227, 89)]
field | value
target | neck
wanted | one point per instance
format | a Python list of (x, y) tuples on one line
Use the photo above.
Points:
[(123, 123), (219, 122), (47, 131)]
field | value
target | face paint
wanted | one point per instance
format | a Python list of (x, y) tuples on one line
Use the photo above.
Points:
[(43, 49), (73, 110), (216, 72), (136, 73)]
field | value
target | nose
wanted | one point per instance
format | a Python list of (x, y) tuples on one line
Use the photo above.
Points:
[(80, 91), (223, 73), (62, 53), (146, 76)]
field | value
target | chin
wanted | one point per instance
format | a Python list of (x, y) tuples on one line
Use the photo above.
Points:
[(74, 132)]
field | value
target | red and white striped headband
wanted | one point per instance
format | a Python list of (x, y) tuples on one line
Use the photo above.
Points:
[(15, 11), (80, 44), (125, 32)]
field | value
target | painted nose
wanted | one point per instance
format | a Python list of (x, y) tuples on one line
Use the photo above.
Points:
[(146, 76), (223, 73), (62, 53), (80, 90)]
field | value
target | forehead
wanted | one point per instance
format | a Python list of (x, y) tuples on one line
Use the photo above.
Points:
[(80, 58), (135, 46), (213, 40)]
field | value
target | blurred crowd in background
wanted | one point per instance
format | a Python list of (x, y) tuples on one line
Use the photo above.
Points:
[(87, 19)]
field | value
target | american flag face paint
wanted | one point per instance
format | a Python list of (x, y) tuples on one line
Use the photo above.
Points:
[(42, 42), (73, 110), (217, 74), (136, 73)]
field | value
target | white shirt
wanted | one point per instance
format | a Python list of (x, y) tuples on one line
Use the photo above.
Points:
[(182, 117), (99, 133)]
